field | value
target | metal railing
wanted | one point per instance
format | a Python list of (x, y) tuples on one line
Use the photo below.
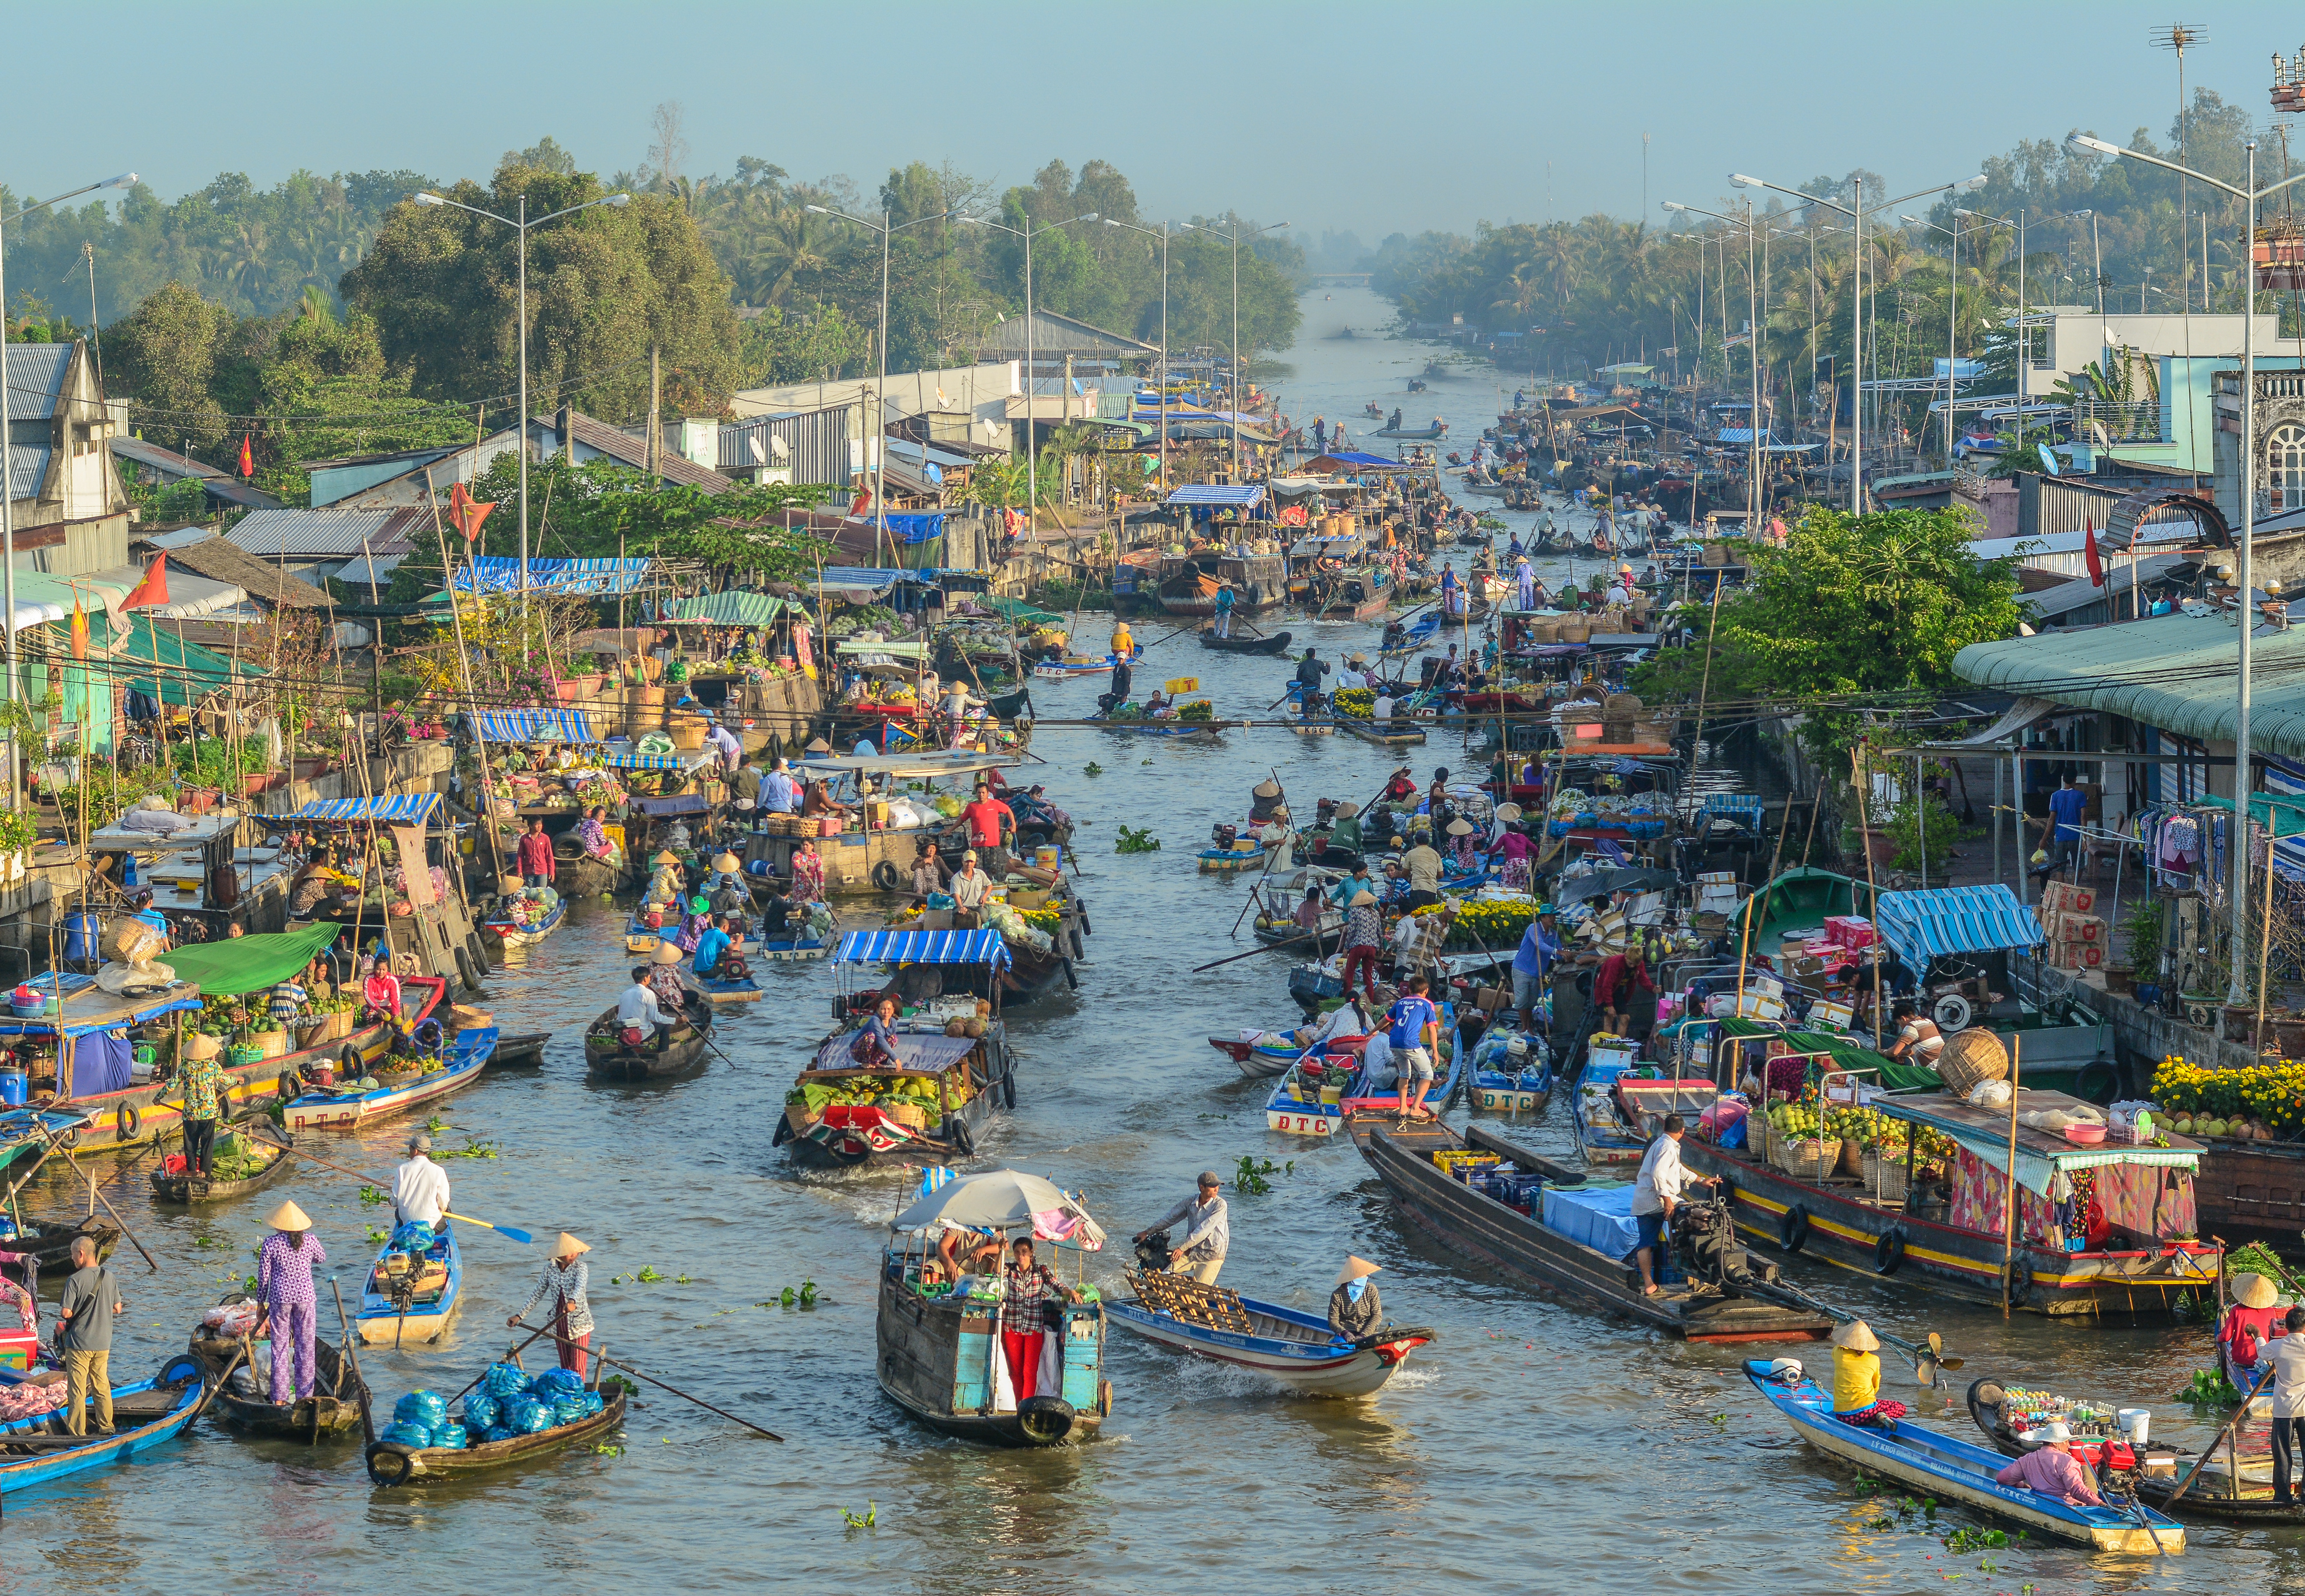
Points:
[(2132, 422)]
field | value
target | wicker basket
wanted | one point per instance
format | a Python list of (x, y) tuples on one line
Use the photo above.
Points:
[(1808, 1158), (797, 1117), (1543, 629), (1853, 1159), (1576, 629), (1883, 1177), (269, 1044), (911, 1116), (1760, 1137), (1973, 1055)]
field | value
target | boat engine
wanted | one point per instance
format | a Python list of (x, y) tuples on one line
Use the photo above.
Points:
[(1223, 835), (1705, 1235), (1153, 1253)]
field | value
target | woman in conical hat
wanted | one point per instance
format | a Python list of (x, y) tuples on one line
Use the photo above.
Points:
[(284, 1285), (1354, 1310)]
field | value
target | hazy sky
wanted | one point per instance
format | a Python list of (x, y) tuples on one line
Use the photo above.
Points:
[(1375, 118)]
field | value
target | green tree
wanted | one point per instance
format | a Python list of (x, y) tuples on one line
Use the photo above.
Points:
[(164, 355)]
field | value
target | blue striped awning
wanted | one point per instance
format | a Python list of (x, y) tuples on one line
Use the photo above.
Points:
[(534, 725), (497, 573), (921, 947), (867, 579), (1924, 926), (1242, 494), (650, 761), (413, 808)]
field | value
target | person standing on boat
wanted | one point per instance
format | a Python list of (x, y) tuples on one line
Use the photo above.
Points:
[(84, 1315), (2288, 1361), (1363, 937), (1423, 867), (807, 873), (727, 744), (780, 793), (1353, 1308), (1656, 1193), (1224, 603), (1029, 1291), (1525, 580), (561, 1288), (419, 1187), (205, 1085), (2252, 1325), (1415, 1038), (536, 861), (1208, 1232), (290, 1316), (2052, 1470), (1452, 595), (1540, 949)]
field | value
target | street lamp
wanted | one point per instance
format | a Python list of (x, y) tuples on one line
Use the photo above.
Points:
[(1235, 236), (1162, 233), (2236, 992), (1752, 361), (1952, 323), (880, 397), (522, 226), (1855, 211), (1028, 233), (7, 483)]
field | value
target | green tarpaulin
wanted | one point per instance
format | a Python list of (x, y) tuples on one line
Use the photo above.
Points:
[(250, 963), (1016, 609), (187, 673), (736, 609)]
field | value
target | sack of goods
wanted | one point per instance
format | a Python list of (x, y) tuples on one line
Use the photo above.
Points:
[(407, 1435), (525, 1415), (413, 1238), (568, 1409), (504, 1382), (481, 1411), (421, 1407), (453, 1436), (556, 1382)]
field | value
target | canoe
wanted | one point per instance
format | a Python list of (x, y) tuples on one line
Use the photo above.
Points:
[(2162, 1466), (1501, 1091), (396, 1091), (580, 874), (1257, 1060), (1081, 664), (527, 936), (146, 1413), (398, 1306), (1296, 1107), (245, 1402), (605, 1053), (1275, 644), (1948, 1470), (1410, 434), (393, 1464), (1163, 728), (525, 1050), (177, 1185), (1368, 733), (1295, 1349)]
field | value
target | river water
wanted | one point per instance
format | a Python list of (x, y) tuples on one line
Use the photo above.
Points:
[(1535, 1446)]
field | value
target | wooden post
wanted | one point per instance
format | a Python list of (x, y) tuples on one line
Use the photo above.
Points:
[(2009, 1186), (1705, 685), (1873, 907)]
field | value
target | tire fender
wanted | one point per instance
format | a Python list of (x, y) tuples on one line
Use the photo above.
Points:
[(957, 1134), (887, 877), (349, 1061), (465, 971), (1071, 981), (128, 1121), (1079, 950), (1889, 1252), (1793, 1229), (290, 1085), (1009, 1090), (2097, 1082)]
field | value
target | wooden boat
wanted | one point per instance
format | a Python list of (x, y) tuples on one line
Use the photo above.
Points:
[(325, 1109), (1300, 1105), (1066, 667), (1508, 1090), (1222, 861), (579, 874), (1187, 584), (392, 1463), (177, 1185), (1259, 1061), (1410, 434), (1314, 728), (1298, 1350), (51, 1243), (1372, 1099), (144, 1413), (1275, 644), (1472, 1224), (937, 1357), (640, 936), (2160, 1467), (1946, 1469), (1315, 982), (1361, 594), (973, 1078), (718, 989), (1606, 1132), (1367, 732), (526, 936), (242, 1400), (606, 1055), (400, 1303), (525, 1050)]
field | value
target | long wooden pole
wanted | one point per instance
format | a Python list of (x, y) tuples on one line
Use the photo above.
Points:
[(1705, 686), (352, 1351), (2009, 1186), (618, 1363), (1871, 887), (2264, 939)]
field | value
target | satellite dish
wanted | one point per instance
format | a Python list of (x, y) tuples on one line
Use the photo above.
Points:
[(778, 448)]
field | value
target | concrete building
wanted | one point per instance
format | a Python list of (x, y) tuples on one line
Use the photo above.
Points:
[(71, 510), (2167, 423)]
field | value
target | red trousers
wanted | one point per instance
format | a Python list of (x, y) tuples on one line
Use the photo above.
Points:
[(1358, 958), (571, 1347), (1022, 1348)]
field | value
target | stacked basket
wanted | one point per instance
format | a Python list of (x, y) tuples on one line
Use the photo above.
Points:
[(1973, 1057)]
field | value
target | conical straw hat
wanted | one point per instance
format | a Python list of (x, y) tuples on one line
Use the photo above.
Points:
[(289, 1216), (1356, 1267)]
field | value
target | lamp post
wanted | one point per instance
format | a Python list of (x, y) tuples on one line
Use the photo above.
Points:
[(1753, 361), (1235, 236), (522, 226), (1162, 233), (1028, 233), (1953, 319), (880, 394), (2236, 990), (1855, 211), (7, 481)]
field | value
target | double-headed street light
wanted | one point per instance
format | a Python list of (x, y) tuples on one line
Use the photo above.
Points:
[(1855, 211), (2237, 990), (1234, 237), (1162, 232), (880, 397), (522, 224), (1028, 233)]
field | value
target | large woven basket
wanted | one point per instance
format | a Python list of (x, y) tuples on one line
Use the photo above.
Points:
[(1808, 1158), (1884, 1178), (1760, 1135), (1973, 1055)]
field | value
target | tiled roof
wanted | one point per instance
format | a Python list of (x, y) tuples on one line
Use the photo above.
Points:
[(622, 445)]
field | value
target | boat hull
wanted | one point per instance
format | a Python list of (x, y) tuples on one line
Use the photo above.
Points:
[(332, 1409), (181, 1375), (529, 936), (1309, 1368), (936, 1364), (394, 1466), (326, 1112), (1369, 733), (382, 1322)]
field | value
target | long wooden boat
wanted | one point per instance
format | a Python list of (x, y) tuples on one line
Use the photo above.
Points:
[(1275, 644), (392, 1463), (1066, 666), (1472, 1225), (974, 1077), (401, 1303), (144, 1413), (1367, 732), (527, 936), (937, 1357), (51, 1243), (172, 1181), (1259, 1061), (606, 1055), (579, 874), (245, 1402), (2215, 1494), (1949, 1470), (396, 1091), (1297, 1350), (525, 1050), (1410, 434)]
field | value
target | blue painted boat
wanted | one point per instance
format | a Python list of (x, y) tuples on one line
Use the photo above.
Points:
[(718, 989), (1222, 859), (527, 936), (1602, 1130), (1377, 1098), (1298, 1350), (640, 936), (400, 1304), (1296, 1108), (179, 1392), (1500, 1083), (1949, 1469), (333, 1109)]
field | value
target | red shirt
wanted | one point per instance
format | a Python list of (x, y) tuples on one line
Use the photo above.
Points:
[(984, 819), (536, 854)]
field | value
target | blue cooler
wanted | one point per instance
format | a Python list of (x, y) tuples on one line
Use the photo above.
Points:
[(13, 1093)]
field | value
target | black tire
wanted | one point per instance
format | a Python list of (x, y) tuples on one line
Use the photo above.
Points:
[(465, 973), (1071, 981), (1793, 1229), (1889, 1252), (478, 949), (1079, 950), (1009, 1090), (957, 1134), (349, 1064), (783, 1133), (290, 1084), (2020, 1281), (887, 877), (128, 1121), (2097, 1082), (68, 1138), (1045, 1420), (388, 1464)]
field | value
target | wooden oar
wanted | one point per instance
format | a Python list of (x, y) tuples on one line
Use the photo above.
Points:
[(507, 1358), (1260, 947), (510, 1232), (92, 1191), (608, 1362), (2209, 1451), (1191, 626), (368, 1420)]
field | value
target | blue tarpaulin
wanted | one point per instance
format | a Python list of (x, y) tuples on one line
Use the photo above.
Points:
[(1925, 926), (1244, 494), (658, 809), (921, 947), (917, 528), (403, 808), (495, 574), (931, 1051), (534, 725)]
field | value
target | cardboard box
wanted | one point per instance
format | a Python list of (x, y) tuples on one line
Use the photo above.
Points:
[(1831, 1016), (2080, 927), (1760, 1006), (2062, 897), (1489, 999), (1850, 930)]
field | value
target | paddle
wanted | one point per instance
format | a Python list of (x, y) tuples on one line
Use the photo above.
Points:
[(367, 1420), (1188, 626), (2209, 1451), (510, 1232), (611, 1362), (507, 1358), (1261, 947)]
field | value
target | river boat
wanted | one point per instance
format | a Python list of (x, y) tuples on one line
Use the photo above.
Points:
[(1315, 982), (1066, 666), (1608, 1129), (1188, 583), (405, 1299), (579, 874), (718, 990), (1359, 594), (1309, 1100), (607, 1056), (1246, 855), (640, 935), (941, 1355), (514, 934), (1948, 1470), (394, 1465), (525, 1050), (1410, 434), (1260, 1060), (1395, 734), (1204, 730), (1945, 1232), (2233, 1484), (347, 1108), (49, 1243), (173, 1182), (145, 1413), (1278, 644), (244, 1397), (1505, 1081), (1294, 1349)]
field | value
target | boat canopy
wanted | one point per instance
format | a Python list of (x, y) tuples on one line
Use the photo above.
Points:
[(736, 607), (1004, 1200), (1242, 494), (1921, 927), (2041, 1154), (850, 579), (251, 963), (908, 767), (684, 803), (499, 573), (625, 759), (534, 725), (398, 808), (1016, 609), (921, 947), (88, 1008)]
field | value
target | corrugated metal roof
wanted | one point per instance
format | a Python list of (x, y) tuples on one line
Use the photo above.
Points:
[(308, 534), (2175, 672), (27, 466), (36, 372), (159, 459), (921, 947)]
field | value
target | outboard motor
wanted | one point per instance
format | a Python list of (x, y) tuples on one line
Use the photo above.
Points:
[(1224, 834), (1153, 1253), (1106, 702), (1705, 1235)]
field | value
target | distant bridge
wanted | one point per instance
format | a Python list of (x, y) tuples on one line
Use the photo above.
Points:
[(1340, 279)]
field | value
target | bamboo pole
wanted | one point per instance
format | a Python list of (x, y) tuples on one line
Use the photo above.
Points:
[(464, 666), (1873, 890), (2009, 1184)]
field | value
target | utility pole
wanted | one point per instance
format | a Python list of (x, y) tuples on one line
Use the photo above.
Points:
[(656, 417)]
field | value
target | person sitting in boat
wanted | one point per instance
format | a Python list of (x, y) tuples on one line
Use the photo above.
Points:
[(1857, 1378), (1124, 643), (2252, 1325), (664, 978), (1345, 828), (379, 989), (874, 1045), (1464, 853), (1918, 1041), (1402, 786), (1208, 1232), (929, 874), (1352, 676), (1618, 989), (1353, 1308), (966, 1251), (2051, 1469), (592, 836), (716, 957)]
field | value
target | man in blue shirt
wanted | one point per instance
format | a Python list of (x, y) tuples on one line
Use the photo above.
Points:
[(779, 794), (1224, 609), (2063, 826), (1415, 1042), (1540, 945)]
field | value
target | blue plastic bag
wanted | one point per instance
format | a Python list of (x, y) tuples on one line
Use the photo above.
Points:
[(414, 1238), (503, 1381), (568, 1409), (421, 1408), (495, 1432), (593, 1403), (556, 1382), (482, 1411), (407, 1435), (525, 1415), (453, 1436)]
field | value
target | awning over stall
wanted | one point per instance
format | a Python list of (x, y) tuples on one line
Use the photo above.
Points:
[(402, 808), (497, 573), (251, 963), (534, 725), (921, 947), (1925, 926), (736, 609)]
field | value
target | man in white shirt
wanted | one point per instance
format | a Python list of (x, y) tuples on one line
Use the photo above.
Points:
[(1381, 711), (1656, 1193), (419, 1187), (1208, 1232), (638, 1007), (969, 887)]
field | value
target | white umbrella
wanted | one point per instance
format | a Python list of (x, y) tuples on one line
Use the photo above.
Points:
[(1002, 1200)]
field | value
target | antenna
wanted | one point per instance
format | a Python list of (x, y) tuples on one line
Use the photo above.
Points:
[(2289, 82), (2181, 37)]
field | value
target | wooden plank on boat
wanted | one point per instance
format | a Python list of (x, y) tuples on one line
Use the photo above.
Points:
[(1187, 1299), (1479, 1135)]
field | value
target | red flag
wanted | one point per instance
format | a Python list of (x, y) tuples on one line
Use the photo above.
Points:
[(247, 460), (2089, 551), (466, 513), (154, 588), (862, 501)]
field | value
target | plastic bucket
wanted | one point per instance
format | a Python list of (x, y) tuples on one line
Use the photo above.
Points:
[(13, 1092), (82, 930), (1047, 856), (2136, 1422)]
